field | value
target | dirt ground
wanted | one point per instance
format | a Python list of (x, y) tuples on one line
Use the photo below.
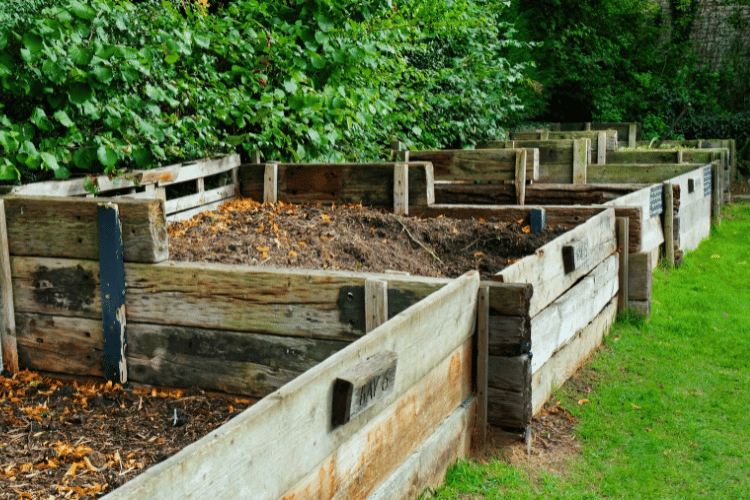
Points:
[(80, 440), (352, 238)]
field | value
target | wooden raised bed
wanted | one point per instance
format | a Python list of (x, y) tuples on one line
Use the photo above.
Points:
[(627, 132), (601, 141), (560, 161)]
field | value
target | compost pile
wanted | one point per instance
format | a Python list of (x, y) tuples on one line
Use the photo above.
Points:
[(351, 238), (76, 440)]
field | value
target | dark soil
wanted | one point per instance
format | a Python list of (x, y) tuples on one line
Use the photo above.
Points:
[(352, 238), (81, 440)]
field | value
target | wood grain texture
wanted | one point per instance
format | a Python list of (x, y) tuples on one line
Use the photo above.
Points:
[(645, 229), (555, 157), (478, 164), (374, 453), (376, 303), (622, 224), (636, 173), (555, 325), (401, 189), (8, 350), (566, 361), (200, 199), (66, 227), (694, 223), (640, 275), (509, 299), (510, 373), (668, 217), (426, 467), (297, 416), (520, 180), (482, 359), (508, 408), (545, 271), (509, 335), (536, 194)]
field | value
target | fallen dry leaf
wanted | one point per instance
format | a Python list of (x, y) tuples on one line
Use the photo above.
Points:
[(583, 401)]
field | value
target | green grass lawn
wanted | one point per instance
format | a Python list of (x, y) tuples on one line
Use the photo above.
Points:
[(668, 416)]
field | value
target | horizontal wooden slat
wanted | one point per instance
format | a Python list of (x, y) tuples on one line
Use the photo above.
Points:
[(694, 223), (640, 173), (199, 199), (478, 164), (508, 408), (562, 215), (207, 207), (510, 373), (556, 324), (536, 194), (611, 145), (298, 416), (66, 227), (509, 299), (509, 335), (545, 270)]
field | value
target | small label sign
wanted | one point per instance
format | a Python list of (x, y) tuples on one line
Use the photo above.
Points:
[(574, 255), (655, 205), (362, 386), (707, 181)]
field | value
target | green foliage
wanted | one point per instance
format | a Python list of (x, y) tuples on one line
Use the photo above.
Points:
[(99, 85)]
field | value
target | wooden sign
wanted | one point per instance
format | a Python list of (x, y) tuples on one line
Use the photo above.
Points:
[(362, 386), (655, 205), (706, 181), (574, 255)]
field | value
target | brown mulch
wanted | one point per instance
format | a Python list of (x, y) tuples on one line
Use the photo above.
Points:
[(352, 238), (76, 440)]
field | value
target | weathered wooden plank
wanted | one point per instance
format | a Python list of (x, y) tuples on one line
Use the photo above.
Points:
[(640, 275), (649, 156), (521, 177), (401, 189), (645, 227), (426, 467), (112, 285), (581, 160), (509, 299), (509, 335), (694, 223), (368, 183), (233, 362), (536, 194), (668, 215), (200, 199), (691, 185), (271, 182), (636, 173), (205, 167), (363, 385), (716, 194), (544, 270), (8, 351), (66, 227), (190, 213), (483, 326), (374, 453), (564, 363), (622, 245), (376, 303), (555, 325), (478, 164), (689, 240), (640, 307), (297, 416), (566, 216), (510, 373), (508, 408), (601, 140)]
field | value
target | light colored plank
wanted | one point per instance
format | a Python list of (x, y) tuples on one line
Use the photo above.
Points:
[(694, 223), (636, 173), (716, 194), (298, 416), (640, 275), (271, 183), (554, 326), (696, 176), (8, 351), (66, 227), (668, 211), (376, 303), (374, 453), (477, 164), (622, 245), (401, 189), (426, 467), (521, 177), (545, 271), (642, 156), (581, 160), (632, 134), (205, 167), (601, 147), (200, 199), (190, 213), (483, 324), (571, 356), (691, 239)]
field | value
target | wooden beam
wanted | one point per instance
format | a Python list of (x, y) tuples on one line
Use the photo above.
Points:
[(66, 227), (622, 245), (271, 183), (477, 164), (483, 322), (601, 147), (298, 416), (520, 176), (8, 350), (581, 153), (640, 275), (668, 214), (401, 189), (632, 133), (112, 280), (716, 194), (509, 335), (200, 199), (376, 303), (536, 194), (509, 299), (637, 173)]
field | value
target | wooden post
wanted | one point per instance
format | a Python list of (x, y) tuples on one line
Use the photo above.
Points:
[(716, 193), (402, 155), (580, 160), (623, 242), (270, 182), (200, 185), (601, 148), (679, 156), (544, 135), (668, 213), (376, 303), (483, 320), (587, 126), (520, 176), (632, 133), (112, 278), (401, 189), (255, 157), (8, 351)]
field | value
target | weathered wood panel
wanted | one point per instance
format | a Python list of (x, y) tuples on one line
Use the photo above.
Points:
[(694, 223), (536, 194), (555, 325), (508, 409), (545, 270), (66, 227), (478, 164), (645, 228), (556, 158), (640, 275), (610, 141), (564, 363), (371, 184), (8, 352), (510, 373), (426, 467), (222, 194), (566, 216), (636, 173), (509, 299), (298, 416), (509, 335), (374, 453)]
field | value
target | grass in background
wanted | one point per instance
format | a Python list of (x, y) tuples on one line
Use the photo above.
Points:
[(668, 416)]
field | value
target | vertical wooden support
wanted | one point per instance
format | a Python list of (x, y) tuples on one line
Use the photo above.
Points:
[(623, 242), (396, 146), (679, 156), (200, 185), (270, 182), (581, 150), (112, 277), (401, 189), (716, 192), (402, 155), (668, 213), (632, 133), (544, 135), (587, 126), (483, 321), (376, 303), (236, 180), (8, 352), (520, 176), (601, 148)]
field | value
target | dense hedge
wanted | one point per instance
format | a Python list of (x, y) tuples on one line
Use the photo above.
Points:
[(93, 86)]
